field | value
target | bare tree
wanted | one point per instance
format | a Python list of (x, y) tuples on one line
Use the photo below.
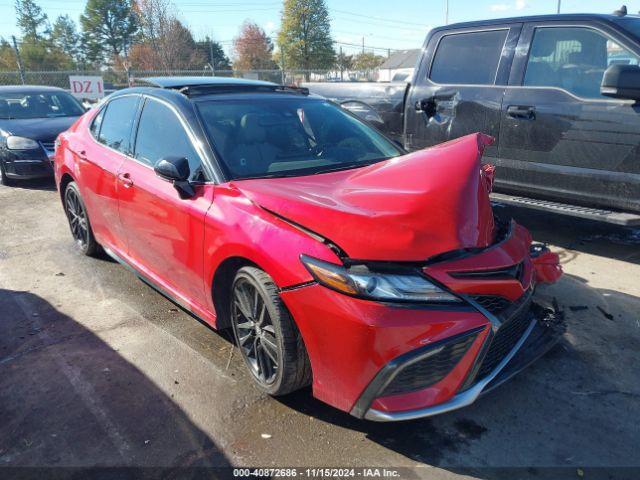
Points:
[(166, 43)]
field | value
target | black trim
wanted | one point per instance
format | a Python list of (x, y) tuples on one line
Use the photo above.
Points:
[(386, 373)]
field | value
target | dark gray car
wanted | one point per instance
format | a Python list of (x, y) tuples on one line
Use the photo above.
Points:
[(31, 117)]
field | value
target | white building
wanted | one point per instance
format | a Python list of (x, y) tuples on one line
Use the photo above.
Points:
[(399, 66)]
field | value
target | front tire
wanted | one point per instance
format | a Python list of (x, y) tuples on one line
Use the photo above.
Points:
[(266, 335), (4, 180), (79, 221)]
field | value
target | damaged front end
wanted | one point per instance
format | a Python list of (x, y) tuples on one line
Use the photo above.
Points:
[(431, 303)]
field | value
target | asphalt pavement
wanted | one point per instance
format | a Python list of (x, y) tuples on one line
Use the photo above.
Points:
[(96, 368)]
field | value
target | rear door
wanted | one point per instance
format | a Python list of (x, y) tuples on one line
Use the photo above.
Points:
[(99, 157), (459, 85), (560, 139), (165, 232)]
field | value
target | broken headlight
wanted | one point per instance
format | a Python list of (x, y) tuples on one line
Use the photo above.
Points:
[(382, 286)]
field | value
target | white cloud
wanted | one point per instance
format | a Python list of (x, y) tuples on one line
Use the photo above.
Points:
[(499, 7), (505, 7)]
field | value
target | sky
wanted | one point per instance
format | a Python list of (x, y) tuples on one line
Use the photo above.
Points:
[(383, 24)]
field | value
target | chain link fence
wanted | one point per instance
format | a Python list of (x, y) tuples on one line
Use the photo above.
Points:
[(117, 79)]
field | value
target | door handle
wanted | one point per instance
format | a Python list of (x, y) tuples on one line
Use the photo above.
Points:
[(125, 179), (521, 111)]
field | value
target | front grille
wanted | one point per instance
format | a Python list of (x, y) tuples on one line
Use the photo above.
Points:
[(429, 370), (513, 272), (50, 146), (492, 303), (505, 340)]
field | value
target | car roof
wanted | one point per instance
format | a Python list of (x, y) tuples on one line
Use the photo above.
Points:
[(181, 82), (29, 89), (539, 18)]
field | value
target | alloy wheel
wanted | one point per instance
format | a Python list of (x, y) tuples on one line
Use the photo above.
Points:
[(255, 332), (77, 216)]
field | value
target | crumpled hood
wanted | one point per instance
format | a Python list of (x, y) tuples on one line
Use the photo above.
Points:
[(407, 208)]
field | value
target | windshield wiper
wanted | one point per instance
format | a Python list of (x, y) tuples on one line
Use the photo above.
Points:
[(268, 175), (348, 166)]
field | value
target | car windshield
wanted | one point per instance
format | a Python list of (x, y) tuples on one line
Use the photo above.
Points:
[(290, 136), (25, 105)]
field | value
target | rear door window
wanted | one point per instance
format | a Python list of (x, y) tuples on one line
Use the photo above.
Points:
[(468, 58), (117, 120)]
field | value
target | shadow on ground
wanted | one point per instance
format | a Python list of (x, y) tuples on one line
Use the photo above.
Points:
[(68, 399), (586, 236)]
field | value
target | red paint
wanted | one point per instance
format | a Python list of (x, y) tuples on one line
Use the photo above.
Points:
[(405, 209), (547, 267)]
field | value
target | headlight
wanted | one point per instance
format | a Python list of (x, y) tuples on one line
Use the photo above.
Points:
[(362, 282), (21, 143)]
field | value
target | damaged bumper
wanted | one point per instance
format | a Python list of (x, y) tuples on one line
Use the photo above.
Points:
[(545, 328)]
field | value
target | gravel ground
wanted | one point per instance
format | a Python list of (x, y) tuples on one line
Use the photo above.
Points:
[(96, 368)]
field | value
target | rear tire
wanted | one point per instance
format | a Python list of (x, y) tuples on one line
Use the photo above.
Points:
[(79, 220), (266, 335)]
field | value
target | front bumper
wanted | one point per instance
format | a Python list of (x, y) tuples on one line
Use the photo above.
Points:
[(544, 331), (28, 164)]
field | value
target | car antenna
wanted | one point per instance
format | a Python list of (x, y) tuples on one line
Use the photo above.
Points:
[(621, 12)]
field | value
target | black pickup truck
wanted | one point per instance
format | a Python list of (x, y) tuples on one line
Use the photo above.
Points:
[(560, 94)]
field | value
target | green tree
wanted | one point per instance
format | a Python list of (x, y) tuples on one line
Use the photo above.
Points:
[(305, 35), (343, 62), (31, 20), (64, 35), (37, 50), (108, 28), (214, 53), (367, 61)]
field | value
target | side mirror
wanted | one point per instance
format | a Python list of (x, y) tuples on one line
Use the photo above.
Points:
[(621, 81), (176, 170)]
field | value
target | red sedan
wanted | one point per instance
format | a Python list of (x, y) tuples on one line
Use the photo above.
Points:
[(381, 278)]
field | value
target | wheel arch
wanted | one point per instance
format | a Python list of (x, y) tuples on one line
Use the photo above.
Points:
[(65, 180), (221, 287)]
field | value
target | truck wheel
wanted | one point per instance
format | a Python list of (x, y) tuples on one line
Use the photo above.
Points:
[(266, 335), (79, 220)]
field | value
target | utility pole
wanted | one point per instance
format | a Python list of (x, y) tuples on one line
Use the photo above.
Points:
[(446, 12), (363, 44), (15, 46), (341, 65), (212, 62), (559, 2)]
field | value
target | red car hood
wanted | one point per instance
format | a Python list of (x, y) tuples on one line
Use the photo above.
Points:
[(407, 208)]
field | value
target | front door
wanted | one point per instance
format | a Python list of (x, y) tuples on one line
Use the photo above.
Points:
[(560, 138), (460, 91), (165, 232)]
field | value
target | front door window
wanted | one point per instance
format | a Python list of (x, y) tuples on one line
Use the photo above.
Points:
[(573, 59)]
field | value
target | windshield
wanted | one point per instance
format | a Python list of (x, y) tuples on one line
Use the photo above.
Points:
[(38, 105), (290, 136)]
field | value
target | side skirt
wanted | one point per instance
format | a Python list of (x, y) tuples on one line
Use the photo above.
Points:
[(162, 291)]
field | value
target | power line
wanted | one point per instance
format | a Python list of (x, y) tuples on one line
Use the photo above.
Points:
[(380, 19)]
